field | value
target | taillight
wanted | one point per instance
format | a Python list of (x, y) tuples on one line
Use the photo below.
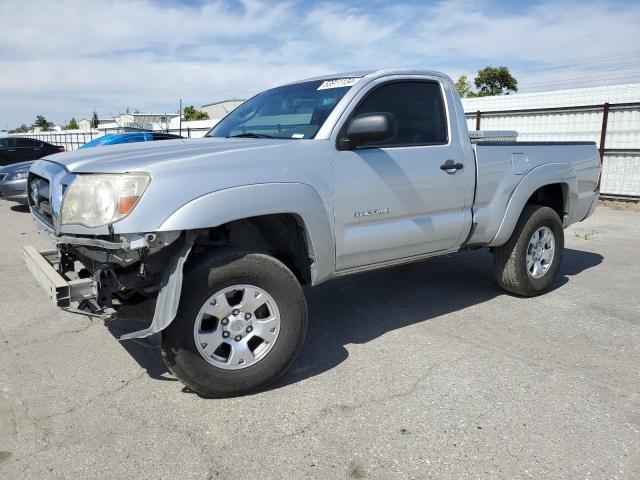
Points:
[(61, 149)]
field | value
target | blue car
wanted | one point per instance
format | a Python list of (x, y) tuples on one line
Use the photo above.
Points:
[(131, 137)]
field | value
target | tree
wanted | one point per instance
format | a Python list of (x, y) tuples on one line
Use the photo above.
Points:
[(495, 81), (190, 113), (463, 86), (21, 129), (72, 124), (94, 120), (42, 123)]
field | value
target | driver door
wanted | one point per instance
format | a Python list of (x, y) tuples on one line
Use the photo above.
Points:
[(393, 201)]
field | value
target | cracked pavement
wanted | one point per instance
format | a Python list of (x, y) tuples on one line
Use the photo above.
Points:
[(421, 371)]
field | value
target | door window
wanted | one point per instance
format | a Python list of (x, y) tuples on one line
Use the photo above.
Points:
[(418, 108), (6, 143), (25, 143)]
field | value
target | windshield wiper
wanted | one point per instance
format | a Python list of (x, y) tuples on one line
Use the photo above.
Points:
[(250, 135)]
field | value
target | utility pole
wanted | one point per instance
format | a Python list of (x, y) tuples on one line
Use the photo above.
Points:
[(180, 117)]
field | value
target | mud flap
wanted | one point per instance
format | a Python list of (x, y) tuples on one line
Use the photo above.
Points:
[(170, 289)]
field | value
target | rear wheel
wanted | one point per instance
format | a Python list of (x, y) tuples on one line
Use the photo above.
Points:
[(241, 322), (529, 261)]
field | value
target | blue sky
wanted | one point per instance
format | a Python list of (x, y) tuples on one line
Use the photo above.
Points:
[(65, 58)]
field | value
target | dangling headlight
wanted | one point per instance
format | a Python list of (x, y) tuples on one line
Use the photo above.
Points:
[(100, 199)]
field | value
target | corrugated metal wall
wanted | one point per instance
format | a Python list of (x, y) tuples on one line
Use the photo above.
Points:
[(575, 114)]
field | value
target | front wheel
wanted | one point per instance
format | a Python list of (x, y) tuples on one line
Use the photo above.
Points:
[(529, 261), (242, 320)]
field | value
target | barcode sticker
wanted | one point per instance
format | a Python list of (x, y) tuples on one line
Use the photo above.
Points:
[(338, 83)]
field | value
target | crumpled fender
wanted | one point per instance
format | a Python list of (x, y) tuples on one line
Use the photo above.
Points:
[(170, 290)]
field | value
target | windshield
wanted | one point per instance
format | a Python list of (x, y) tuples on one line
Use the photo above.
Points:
[(293, 111)]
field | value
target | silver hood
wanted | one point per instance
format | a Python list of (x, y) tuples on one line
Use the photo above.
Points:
[(146, 156), (184, 170)]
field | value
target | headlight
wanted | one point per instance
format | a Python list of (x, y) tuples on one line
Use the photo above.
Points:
[(18, 175), (100, 199)]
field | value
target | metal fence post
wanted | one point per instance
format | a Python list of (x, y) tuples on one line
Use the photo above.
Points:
[(603, 138), (603, 131), (478, 119)]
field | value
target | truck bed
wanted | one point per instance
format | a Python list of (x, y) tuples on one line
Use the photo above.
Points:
[(501, 166)]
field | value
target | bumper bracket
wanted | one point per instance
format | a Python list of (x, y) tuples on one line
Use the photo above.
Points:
[(62, 291)]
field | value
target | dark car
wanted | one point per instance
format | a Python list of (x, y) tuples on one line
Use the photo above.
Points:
[(129, 137), (14, 150)]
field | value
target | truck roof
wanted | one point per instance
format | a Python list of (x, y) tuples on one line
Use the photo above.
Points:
[(373, 74)]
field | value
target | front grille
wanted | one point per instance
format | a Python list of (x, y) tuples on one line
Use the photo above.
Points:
[(39, 198)]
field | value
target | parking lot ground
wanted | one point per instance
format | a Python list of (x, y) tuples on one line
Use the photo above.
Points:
[(421, 371)]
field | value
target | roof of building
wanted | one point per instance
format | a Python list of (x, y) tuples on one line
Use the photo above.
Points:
[(223, 101), (142, 114)]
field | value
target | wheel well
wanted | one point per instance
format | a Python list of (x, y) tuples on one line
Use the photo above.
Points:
[(279, 235), (552, 196)]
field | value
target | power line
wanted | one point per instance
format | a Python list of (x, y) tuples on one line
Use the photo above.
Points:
[(582, 61)]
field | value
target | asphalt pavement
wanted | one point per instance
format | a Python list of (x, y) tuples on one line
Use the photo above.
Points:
[(422, 371)]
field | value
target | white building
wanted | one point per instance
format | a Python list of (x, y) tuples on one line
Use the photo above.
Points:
[(222, 108), (192, 128), (85, 124), (143, 121), (573, 114)]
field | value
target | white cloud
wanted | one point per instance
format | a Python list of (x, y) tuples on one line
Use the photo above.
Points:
[(65, 58)]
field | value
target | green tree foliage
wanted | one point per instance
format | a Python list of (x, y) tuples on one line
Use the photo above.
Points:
[(72, 124), (495, 81), (190, 113), (42, 123), (94, 120), (21, 129), (463, 86)]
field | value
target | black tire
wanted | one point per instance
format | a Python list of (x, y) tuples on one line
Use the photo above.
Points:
[(509, 260), (214, 272)]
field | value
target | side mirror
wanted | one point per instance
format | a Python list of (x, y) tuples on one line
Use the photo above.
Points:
[(368, 128)]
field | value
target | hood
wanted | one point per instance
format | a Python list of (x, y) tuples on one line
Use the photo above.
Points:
[(184, 170), (148, 156), (15, 166)]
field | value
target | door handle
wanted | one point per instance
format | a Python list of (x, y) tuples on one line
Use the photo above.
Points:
[(451, 166)]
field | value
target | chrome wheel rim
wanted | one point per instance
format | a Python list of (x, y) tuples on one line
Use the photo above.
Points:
[(540, 252), (237, 327)]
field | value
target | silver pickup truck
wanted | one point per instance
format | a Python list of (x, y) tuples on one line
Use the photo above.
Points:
[(301, 184)]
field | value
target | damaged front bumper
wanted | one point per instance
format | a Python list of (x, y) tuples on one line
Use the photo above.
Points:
[(70, 291), (64, 291)]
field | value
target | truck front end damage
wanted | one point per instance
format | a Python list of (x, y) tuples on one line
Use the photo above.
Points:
[(95, 274)]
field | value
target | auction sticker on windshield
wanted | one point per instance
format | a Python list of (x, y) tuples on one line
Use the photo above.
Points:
[(338, 83)]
